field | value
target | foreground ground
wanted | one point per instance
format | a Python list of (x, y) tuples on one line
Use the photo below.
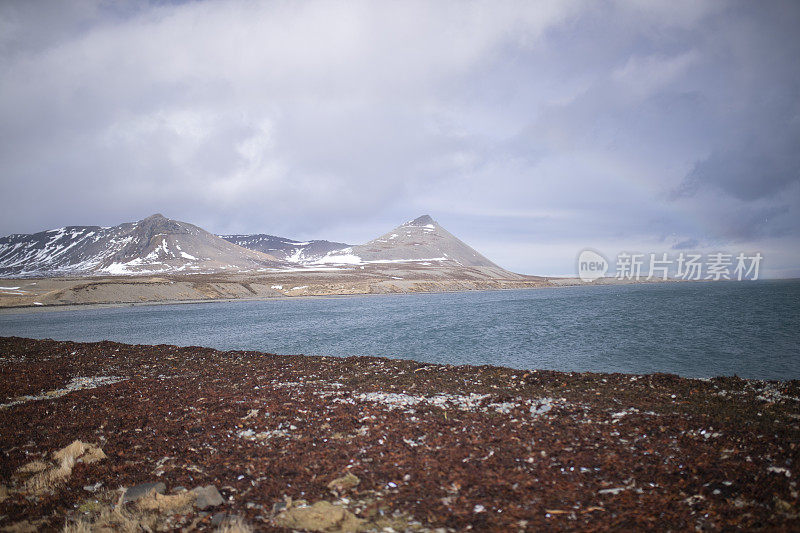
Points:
[(360, 444)]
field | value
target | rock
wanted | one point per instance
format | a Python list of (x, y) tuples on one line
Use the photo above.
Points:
[(282, 505), (613, 491), (322, 516), (93, 488), (138, 491), (218, 518), (344, 483), (206, 497)]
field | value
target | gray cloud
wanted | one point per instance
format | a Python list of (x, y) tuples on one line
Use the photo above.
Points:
[(528, 129), (687, 244)]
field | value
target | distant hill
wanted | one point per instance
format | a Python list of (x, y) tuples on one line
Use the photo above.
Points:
[(301, 252), (155, 244)]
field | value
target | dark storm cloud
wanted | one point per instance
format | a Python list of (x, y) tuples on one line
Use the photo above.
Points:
[(752, 164), (530, 129)]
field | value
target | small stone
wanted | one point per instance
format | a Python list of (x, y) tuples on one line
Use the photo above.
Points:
[(218, 518), (138, 491), (179, 488), (93, 488), (206, 497), (277, 507)]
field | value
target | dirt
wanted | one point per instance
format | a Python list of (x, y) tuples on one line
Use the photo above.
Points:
[(433, 448)]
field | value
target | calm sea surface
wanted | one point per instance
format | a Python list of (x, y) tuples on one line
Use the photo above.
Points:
[(693, 329)]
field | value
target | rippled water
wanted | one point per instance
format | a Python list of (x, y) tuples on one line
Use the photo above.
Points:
[(693, 329)]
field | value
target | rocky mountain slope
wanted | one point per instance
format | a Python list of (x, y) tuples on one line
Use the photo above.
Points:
[(421, 240), (301, 252), (155, 244)]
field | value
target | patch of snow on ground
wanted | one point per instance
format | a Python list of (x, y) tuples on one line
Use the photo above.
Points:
[(421, 261), (75, 384), (469, 402), (344, 257)]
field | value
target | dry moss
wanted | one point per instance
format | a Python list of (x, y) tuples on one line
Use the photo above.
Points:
[(234, 525), (34, 467), (344, 483), (48, 477), (166, 503), (48, 480), (86, 452), (322, 516), (115, 519)]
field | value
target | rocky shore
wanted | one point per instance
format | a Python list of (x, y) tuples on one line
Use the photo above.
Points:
[(106, 436)]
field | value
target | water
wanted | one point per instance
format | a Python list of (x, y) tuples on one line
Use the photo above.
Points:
[(751, 329)]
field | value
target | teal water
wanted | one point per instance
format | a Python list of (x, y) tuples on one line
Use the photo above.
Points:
[(751, 329)]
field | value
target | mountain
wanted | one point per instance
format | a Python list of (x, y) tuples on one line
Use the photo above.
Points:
[(286, 249), (155, 244), (422, 241), (159, 245)]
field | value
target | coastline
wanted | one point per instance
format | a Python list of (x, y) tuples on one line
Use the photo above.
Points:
[(429, 447), (111, 305), (77, 293)]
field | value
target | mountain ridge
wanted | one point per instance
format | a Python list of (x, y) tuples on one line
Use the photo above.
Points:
[(160, 245), (286, 249), (152, 245)]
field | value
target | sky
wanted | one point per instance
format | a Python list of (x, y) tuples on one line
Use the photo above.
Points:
[(531, 130)]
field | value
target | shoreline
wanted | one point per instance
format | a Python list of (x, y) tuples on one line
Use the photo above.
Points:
[(110, 305), (372, 443), (548, 283)]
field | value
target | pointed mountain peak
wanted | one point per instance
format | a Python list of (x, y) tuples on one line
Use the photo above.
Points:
[(158, 224), (424, 220)]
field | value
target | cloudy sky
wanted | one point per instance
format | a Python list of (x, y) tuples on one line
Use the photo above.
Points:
[(531, 130)]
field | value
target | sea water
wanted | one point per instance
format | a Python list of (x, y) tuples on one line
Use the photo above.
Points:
[(751, 329)]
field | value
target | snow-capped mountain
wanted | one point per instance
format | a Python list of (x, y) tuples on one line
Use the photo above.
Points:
[(421, 241), (300, 252), (155, 244), (159, 245)]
